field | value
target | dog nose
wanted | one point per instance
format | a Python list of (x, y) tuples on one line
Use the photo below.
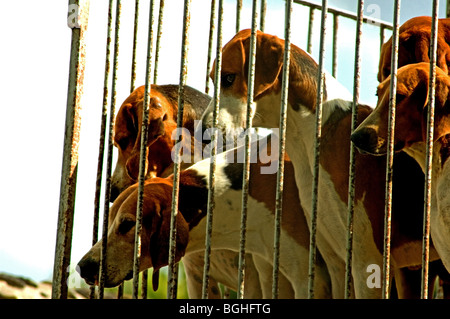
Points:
[(88, 269), (363, 139)]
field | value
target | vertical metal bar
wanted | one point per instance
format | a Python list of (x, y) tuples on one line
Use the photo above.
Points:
[(158, 39), (70, 153), (132, 86), (109, 153), (448, 9), (143, 154), (212, 25), (390, 154), (135, 34), (310, 30), (246, 173), (101, 151), (262, 18), (281, 150), (351, 184), (429, 152), (335, 46), (318, 135), (238, 15), (382, 28), (212, 168), (171, 285)]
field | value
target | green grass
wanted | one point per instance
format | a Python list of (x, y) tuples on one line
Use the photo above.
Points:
[(161, 293)]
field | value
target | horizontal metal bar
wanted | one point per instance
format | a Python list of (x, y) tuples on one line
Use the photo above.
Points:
[(346, 13)]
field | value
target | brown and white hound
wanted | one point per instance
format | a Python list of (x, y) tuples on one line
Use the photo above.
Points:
[(193, 197), (162, 121), (410, 136), (414, 44), (368, 224)]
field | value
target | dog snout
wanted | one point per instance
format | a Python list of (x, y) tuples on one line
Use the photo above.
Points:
[(88, 269), (367, 141)]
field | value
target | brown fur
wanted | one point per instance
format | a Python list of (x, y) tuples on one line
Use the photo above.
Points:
[(163, 111), (414, 45)]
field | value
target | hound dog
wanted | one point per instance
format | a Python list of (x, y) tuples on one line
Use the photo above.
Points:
[(414, 45), (410, 136), (368, 224), (193, 197), (161, 123), (163, 110)]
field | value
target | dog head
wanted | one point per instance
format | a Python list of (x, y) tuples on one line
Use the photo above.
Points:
[(411, 111), (414, 45), (127, 139), (267, 82), (155, 234)]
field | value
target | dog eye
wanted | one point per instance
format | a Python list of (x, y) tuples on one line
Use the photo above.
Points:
[(227, 80), (126, 225)]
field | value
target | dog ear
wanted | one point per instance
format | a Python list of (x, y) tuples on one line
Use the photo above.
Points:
[(159, 240), (268, 64), (414, 48), (126, 126)]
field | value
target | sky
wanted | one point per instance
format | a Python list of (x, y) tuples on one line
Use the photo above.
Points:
[(34, 64)]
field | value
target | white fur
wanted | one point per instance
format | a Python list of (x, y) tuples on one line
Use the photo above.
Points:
[(260, 226), (331, 231)]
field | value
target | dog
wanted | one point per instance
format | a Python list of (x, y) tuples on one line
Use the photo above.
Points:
[(414, 45), (410, 137), (162, 121), (190, 223), (368, 244), (163, 111)]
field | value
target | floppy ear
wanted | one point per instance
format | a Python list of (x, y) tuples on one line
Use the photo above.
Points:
[(159, 240), (415, 48), (268, 64)]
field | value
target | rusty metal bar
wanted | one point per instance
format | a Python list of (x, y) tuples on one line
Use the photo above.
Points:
[(246, 173), (158, 39), (390, 154), (344, 13), (78, 14), (282, 147), (381, 36), (262, 18), (143, 153), (101, 151), (135, 34), (112, 108), (429, 152), (238, 15), (310, 30), (171, 282), (335, 40), (212, 25), (214, 142), (318, 135), (351, 184)]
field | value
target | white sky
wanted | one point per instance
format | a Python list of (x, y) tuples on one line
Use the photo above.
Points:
[(34, 63)]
